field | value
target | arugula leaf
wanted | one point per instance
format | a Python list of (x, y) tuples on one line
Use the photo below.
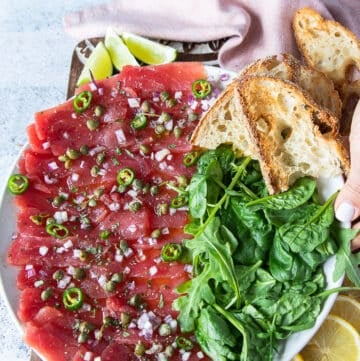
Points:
[(198, 295), (219, 253)]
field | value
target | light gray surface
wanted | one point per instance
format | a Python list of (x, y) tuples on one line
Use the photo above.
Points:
[(35, 55)]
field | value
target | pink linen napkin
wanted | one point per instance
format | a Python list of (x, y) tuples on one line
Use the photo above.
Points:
[(255, 28)]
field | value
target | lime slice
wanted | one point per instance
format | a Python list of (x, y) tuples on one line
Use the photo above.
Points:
[(99, 63), (119, 52), (149, 51)]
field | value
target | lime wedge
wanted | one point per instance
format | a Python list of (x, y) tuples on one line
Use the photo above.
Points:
[(149, 51), (119, 53), (99, 63)]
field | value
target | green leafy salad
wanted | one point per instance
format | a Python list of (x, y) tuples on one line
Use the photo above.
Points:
[(257, 259)]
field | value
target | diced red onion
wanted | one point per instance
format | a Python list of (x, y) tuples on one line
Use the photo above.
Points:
[(134, 102), (120, 136), (43, 250), (153, 270), (53, 166)]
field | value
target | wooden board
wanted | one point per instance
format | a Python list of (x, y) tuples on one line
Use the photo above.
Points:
[(206, 53)]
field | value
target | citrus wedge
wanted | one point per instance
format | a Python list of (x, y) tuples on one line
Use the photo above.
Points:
[(298, 357), (119, 52), (336, 340), (149, 51), (348, 309), (99, 63)]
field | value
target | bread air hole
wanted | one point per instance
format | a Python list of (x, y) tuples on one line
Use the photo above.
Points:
[(221, 128), (262, 125), (323, 127), (286, 133)]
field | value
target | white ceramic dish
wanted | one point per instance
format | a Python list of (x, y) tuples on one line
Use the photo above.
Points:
[(8, 273)]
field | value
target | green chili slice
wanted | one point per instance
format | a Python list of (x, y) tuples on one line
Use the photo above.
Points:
[(82, 101), (57, 230), (139, 122), (190, 158), (125, 176), (73, 298), (171, 252), (18, 184), (184, 343), (178, 202), (201, 88)]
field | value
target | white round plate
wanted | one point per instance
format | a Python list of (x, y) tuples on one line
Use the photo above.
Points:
[(8, 273)]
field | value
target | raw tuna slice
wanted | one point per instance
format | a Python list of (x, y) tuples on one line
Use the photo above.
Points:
[(99, 209)]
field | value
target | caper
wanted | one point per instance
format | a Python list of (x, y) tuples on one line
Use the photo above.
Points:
[(104, 234), (162, 209), (139, 349), (117, 277), (177, 132), (164, 95), (84, 149), (92, 202), (99, 110), (83, 337), (98, 192), (100, 157), (46, 294), (192, 117), (121, 188), (137, 184), (58, 201), (94, 171), (92, 124), (83, 255), (68, 164), (144, 149), (110, 286), (154, 190), (156, 233), (159, 129), (135, 206), (165, 117), (125, 319), (171, 102), (182, 181), (145, 106), (50, 220), (73, 154), (58, 275), (63, 158), (79, 273)]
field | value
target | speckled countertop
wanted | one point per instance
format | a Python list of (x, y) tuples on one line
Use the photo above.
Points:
[(35, 55)]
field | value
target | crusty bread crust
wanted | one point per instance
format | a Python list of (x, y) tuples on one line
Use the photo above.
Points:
[(326, 45), (291, 132), (287, 67), (276, 122), (224, 124)]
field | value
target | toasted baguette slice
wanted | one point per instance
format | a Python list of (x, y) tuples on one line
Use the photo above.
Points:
[(224, 124), (287, 67), (290, 131), (326, 45)]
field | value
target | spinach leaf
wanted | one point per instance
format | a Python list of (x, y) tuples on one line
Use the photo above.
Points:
[(346, 262), (306, 236), (297, 195), (215, 336)]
